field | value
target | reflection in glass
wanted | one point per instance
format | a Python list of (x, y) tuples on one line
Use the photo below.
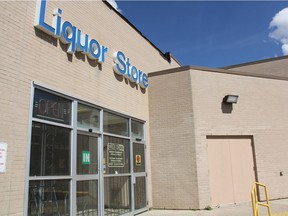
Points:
[(116, 155), (87, 155), (87, 198), (140, 193), (137, 130), (88, 117), (115, 124), (117, 195), (50, 150), (49, 197), (139, 157)]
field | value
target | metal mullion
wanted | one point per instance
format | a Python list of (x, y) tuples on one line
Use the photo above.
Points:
[(115, 135), (85, 131), (140, 174), (139, 142), (117, 175), (145, 154), (100, 168), (51, 123), (132, 180), (146, 166), (145, 131), (73, 154), (87, 177), (49, 178)]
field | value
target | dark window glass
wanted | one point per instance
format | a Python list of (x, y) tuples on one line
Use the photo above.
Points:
[(116, 155), (87, 198), (140, 193), (49, 197), (87, 155), (117, 195), (88, 117), (51, 107), (137, 130), (115, 124), (50, 150)]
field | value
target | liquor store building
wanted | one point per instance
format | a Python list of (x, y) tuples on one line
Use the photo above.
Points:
[(96, 120), (74, 128)]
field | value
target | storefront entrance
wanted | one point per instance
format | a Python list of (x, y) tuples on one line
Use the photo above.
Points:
[(90, 164)]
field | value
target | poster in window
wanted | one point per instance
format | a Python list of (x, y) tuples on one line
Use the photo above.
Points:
[(115, 155)]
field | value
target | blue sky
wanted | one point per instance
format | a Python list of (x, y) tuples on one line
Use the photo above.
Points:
[(210, 33)]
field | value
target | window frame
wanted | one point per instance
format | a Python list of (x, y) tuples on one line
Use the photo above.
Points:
[(73, 177)]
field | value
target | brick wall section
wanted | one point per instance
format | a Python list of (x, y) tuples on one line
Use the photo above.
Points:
[(261, 112), (275, 66), (174, 177), (30, 55)]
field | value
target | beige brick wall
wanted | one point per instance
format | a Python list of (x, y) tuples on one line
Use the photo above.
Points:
[(30, 55), (274, 67), (174, 176), (261, 111), (186, 107)]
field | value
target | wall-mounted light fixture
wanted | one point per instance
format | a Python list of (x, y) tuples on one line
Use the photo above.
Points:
[(230, 99)]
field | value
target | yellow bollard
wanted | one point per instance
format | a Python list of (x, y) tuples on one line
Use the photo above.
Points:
[(255, 199)]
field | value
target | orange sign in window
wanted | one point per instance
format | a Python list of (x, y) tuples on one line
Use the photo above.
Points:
[(138, 160)]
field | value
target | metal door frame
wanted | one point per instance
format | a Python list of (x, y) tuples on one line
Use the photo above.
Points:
[(76, 177)]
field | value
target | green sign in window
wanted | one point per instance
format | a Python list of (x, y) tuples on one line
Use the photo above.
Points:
[(86, 157)]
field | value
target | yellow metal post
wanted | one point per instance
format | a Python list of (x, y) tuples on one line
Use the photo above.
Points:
[(255, 200)]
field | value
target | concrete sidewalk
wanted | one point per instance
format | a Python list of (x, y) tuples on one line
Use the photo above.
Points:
[(278, 208)]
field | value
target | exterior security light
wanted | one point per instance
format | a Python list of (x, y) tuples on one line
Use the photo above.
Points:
[(230, 99)]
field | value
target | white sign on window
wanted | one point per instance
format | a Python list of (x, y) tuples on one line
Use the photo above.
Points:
[(3, 157)]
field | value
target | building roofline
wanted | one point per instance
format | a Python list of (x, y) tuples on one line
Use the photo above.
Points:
[(215, 70), (255, 62), (167, 56)]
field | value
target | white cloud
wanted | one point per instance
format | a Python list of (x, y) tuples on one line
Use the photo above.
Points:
[(279, 29), (114, 5), (285, 49)]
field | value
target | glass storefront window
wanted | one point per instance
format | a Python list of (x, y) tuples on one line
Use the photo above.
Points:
[(87, 155), (88, 117), (116, 155), (54, 150), (51, 107), (115, 124), (137, 130), (50, 150), (49, 197)]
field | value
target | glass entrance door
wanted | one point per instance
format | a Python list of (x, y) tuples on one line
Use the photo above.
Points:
[(117, 176), (139, 175), (91, 164), (87, 178)]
